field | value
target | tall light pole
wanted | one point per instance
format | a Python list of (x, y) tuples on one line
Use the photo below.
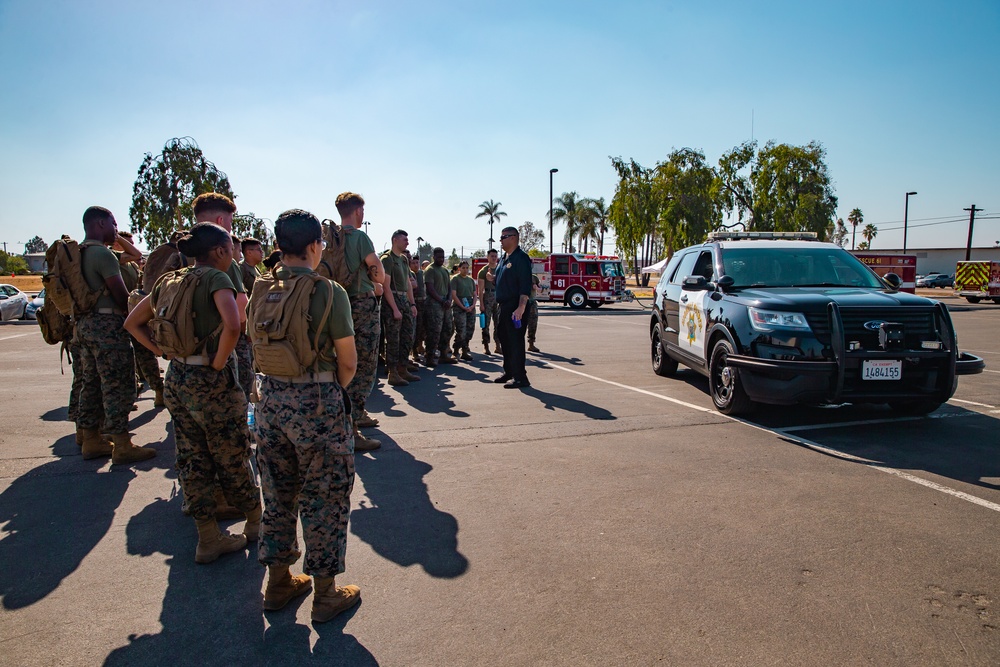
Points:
[(366, 223), (906, 216), (551, 171)]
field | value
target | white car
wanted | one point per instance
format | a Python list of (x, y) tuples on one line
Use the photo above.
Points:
[(13, 303)]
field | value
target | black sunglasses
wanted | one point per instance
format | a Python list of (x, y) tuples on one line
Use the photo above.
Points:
[(506, 236)]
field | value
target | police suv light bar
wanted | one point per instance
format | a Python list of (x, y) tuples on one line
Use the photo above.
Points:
[(737, 236)]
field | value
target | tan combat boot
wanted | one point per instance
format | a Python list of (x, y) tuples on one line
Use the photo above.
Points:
[(223, 510), (532, 348), (330, 600), (366, 420), (410, 366), (251, 530), (158, 398), (125, 452), (79, 436), (93, 444), (405, 373), (466, 354), (363, 444), (212, 542), (486, 349), (395, 380), (283, 587)]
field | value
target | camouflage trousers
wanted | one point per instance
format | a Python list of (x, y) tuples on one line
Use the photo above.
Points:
[(73, 412), (306, 466), (367, 331), (147, 365), (208, 410), (465, 326), (419, 325), (439, 326), (244, 365), (398, 333), (107, 372), (531, 320), (489, 306)]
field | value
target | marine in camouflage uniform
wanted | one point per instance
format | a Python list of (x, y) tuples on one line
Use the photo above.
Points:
[(463, 290), (73, 412), (244, 352), (365, 312), (145, 361), (420, 299), (488, 299), (437, 282), (398, 333), (531, 314)]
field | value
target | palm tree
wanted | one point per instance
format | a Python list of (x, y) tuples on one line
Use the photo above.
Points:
[(869, 233), (569, 209), (492, 210), (587, 230), (855, 218), (598, 211)]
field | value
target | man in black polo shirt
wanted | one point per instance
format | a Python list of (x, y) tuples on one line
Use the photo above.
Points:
[(513, 281)]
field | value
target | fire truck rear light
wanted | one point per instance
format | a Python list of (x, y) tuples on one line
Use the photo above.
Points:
[(932, 345)]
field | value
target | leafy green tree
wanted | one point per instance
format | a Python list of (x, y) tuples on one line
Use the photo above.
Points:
[(478, 254), (538, 252), (779, 187), (167, 185), (635, 213), (863, 245), (13, 264), (425, 250), (687, 189), (869, 233), (855, 217), (248, 225), (491, 210), (35, 244), (453, 258), (838, 233), (531, 237), (568, 208)]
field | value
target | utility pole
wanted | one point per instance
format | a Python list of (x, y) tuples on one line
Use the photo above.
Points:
[(972, 221)]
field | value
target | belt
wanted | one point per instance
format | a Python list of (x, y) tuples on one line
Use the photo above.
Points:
[(194, 360), (308, 378), (108, 311), (370, 294)]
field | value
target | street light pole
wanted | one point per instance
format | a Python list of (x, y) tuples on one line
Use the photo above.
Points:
[(906, 216), (551, 171), (366, 223)]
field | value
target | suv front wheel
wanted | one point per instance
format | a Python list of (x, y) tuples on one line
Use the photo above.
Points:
[(724, 382)]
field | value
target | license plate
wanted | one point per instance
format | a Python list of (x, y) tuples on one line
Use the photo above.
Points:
[(881, 370)]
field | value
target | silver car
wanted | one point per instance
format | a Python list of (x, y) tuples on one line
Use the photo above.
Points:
[(13, 303), (31, 312)]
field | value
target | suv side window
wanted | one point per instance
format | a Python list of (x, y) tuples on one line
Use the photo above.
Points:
[(703, 267), (684, 269)]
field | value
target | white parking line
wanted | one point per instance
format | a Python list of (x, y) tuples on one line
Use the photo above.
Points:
[(15, 336), (557, 326), (989, 371), (982, 405), (801, 441)]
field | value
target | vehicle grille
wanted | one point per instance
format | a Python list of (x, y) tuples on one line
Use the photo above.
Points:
[(919, 325)]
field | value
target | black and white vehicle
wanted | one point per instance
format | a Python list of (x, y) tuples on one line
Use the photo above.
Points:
[(784, 319), (13, 303)]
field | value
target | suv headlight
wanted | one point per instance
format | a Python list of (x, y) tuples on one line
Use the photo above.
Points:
[(777, 320)]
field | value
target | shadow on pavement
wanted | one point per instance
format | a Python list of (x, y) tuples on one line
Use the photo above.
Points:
[(431, 395), (213, 614), (54, 516), (553, 401), (398, 518)]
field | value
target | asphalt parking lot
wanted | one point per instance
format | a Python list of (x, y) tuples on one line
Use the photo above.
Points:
[(603, 516)]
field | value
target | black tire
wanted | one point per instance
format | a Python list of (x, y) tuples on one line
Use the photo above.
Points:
[(996, 301), (576, 299), (724, 382), (663, 365), (918, 407), (972, 299), (594, 304)]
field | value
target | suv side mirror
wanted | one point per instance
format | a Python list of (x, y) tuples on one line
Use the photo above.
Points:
[(694, 284), (893, 280), (725, 282)]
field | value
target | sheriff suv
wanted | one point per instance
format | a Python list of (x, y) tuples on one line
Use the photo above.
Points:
[(784, 319)]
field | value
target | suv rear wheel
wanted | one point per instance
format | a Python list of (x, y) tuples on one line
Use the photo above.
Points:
[(724, 382)]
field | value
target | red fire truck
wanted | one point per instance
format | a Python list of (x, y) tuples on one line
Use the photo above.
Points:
[(904, 266), (576, 279)]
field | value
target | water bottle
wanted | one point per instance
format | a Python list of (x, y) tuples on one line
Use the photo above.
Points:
[(482, 320), (517, 322), (251, 417), (465, 302)]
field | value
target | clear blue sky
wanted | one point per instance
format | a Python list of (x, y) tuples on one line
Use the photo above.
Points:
[(430, 108)]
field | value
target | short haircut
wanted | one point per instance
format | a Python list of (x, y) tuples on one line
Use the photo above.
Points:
[(236, 241), (438, 250), (492, 251), (348, 202), (398, 233), (202, 239), (96, 214), (295, 229), (512, 230), (249, 241), (212, 202), (462, 263)]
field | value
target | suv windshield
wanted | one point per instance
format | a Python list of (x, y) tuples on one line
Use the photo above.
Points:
[(820, 266)]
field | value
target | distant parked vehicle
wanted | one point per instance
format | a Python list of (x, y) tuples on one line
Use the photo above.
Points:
[(936, 280), (31, 312), (13, 303)]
